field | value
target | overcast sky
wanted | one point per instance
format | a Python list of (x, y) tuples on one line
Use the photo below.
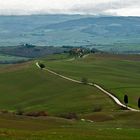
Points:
[(94, 7)]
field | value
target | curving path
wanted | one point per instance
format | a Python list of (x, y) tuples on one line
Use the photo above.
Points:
[(115, 99)]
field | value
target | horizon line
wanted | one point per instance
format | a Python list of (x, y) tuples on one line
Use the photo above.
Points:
[(67, 14)]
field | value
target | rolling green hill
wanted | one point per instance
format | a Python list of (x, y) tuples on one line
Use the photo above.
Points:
[(118, 74), (26, 87)]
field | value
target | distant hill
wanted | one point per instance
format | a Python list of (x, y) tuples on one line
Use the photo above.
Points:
[(31, 51), (117, 34)]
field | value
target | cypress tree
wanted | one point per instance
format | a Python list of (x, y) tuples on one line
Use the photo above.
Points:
[(126, 99), (139, 103)]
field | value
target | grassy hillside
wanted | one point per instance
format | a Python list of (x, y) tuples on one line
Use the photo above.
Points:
[(24, 86), (118, 74)]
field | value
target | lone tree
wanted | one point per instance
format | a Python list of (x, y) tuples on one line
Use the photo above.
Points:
[(84, 80), (42, 66), (139, 103), (126, 99)]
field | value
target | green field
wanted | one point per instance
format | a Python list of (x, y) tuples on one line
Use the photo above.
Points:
[(122, 127), (29, 88), (11, 59), (25, 87), (116, 73)]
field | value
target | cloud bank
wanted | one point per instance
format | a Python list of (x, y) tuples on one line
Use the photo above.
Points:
[(93, 7)]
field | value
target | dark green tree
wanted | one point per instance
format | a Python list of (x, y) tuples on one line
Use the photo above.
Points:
[(139, 103), (126, 99), (42, 66)]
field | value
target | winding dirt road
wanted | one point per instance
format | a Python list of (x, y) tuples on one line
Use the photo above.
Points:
[(115, 99)]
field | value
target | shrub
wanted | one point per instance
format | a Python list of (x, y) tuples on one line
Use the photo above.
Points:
[(4, 111), (19, 112), (97, 108), (37, 113), (84, 80), (70, 115)]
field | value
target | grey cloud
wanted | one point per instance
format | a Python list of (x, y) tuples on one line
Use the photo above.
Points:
[(89, 7), (103, 7)]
